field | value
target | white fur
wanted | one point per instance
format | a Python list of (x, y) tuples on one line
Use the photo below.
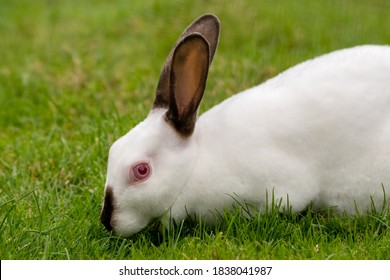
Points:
[(318, 133)]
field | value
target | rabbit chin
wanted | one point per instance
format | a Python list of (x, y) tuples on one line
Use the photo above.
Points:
[(128, 225)]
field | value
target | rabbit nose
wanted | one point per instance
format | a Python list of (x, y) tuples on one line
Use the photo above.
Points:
[(105, 216)]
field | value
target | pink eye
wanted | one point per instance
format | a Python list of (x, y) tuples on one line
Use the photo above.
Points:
[(140, 171)]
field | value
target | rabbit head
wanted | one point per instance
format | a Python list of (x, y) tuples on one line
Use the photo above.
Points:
[(148, 167)]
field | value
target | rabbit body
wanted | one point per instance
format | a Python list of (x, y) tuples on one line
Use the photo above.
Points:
[(317, 134)]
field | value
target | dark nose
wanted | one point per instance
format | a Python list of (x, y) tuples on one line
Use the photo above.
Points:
[(105, 216)]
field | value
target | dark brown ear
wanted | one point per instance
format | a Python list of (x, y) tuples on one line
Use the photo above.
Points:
[(208, 26), (188, 75)]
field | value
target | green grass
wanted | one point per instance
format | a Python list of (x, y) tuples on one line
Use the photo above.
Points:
[(76, 75)]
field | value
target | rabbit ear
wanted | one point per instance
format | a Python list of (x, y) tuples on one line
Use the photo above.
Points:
[(188, 75), (207, 26)]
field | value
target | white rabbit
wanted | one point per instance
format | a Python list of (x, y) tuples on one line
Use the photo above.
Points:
[(317, 134)]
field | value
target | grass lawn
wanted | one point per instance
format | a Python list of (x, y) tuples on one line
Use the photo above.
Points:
[(76, 75)]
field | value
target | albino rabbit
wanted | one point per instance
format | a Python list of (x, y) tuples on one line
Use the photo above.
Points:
[(317, 134)]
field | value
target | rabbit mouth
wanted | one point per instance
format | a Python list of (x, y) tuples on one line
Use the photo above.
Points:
[(152, 230)]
